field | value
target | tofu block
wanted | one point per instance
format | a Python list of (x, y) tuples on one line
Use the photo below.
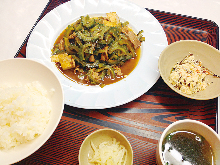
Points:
[(65, 60)]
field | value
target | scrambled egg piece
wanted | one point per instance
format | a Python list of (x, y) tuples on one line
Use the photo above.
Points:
[(112, 19), (66, 61)]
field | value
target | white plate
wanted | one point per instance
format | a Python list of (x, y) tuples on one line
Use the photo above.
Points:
[(143, 77)]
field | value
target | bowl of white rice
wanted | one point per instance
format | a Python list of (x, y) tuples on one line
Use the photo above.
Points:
[(191, 68), (31, 106)]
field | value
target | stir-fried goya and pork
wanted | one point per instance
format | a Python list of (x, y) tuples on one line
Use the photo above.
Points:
[(95, 48)]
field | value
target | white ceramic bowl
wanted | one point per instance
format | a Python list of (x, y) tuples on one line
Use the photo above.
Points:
[(195, 126), (208, 55), (26, 71), (99, 136)]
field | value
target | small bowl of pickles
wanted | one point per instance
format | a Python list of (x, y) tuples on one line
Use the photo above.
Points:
[(188, 142), (106, 146)]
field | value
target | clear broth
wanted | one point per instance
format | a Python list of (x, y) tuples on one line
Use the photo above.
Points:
[(187, 148)]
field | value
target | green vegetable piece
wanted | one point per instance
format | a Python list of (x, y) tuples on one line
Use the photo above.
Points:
[(93, 80), (93, 65), (140, 36), (116, 46), (113, 62), (110, 70), (78, 42), (86, 38), (56, 50), (103, 31), (82, 63), (78, 25), (67, 46), (74, 47), (68, 31), (85, 46), (115, 31), (129, 46), (96, 28), (87, 21), (108, 38)]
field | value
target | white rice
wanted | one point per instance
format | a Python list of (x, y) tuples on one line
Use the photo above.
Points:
[(24, 113)]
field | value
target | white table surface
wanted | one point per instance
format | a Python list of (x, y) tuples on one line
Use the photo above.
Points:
[(17, 17)]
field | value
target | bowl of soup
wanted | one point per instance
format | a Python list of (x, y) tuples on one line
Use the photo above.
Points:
[(188, 142)]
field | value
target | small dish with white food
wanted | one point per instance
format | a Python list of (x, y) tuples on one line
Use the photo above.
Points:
[(191, 68), (105, 146)]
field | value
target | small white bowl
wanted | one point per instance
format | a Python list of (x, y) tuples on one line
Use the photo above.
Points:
[(99, 136), (208, 55), (195, 126), (26, 71)]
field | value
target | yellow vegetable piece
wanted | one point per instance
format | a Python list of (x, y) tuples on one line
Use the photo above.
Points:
[(113, 17), (54, 58), (66, 61)]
